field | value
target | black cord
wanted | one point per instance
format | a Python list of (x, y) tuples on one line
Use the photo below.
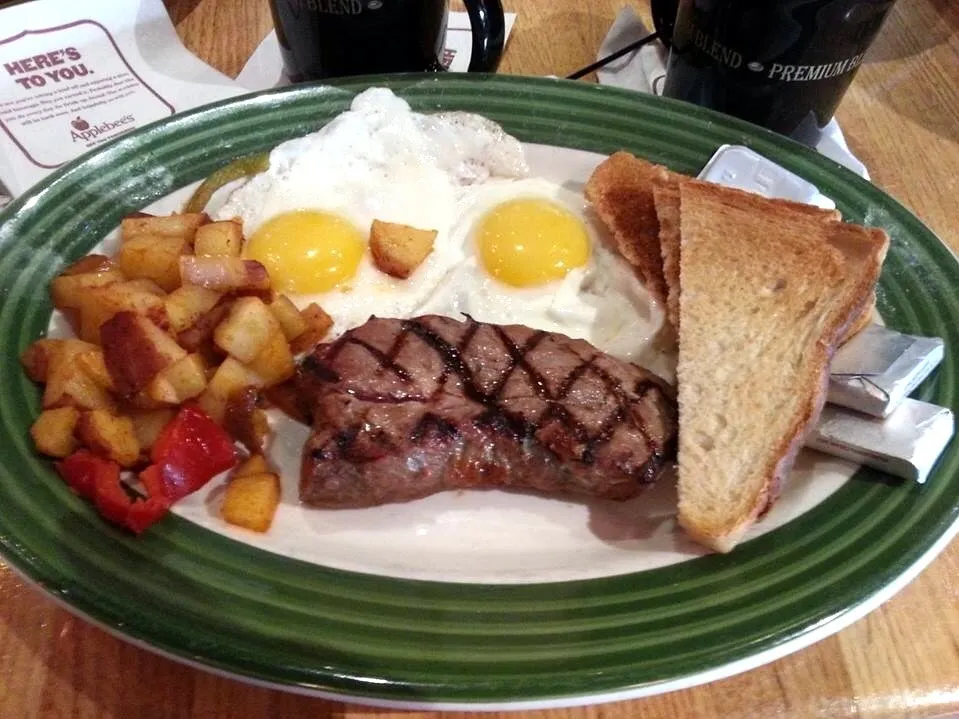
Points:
[(613, 56)]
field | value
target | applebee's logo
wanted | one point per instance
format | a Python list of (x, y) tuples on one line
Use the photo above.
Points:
[(83, 131)]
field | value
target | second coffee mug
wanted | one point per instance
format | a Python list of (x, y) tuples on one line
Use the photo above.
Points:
[(334, 38), (783, 64)]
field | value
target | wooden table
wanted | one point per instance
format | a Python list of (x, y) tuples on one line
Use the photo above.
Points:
[(902, 119)]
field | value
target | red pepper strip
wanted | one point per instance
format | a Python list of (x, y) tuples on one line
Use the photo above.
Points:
[(98, 479), (152, 481), (145, 512), (111, 499), (82, 468), (190, 451)]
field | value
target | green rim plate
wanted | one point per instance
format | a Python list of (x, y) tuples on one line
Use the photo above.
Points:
[(208, 600)]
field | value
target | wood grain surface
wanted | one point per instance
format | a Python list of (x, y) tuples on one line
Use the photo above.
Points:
[(901, 117)]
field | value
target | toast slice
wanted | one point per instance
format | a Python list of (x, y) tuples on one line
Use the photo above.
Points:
[(666, 203), (766, 294), (620, 191), (638, 202)]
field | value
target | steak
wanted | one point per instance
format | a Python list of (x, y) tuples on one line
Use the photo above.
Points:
[(406, 408)]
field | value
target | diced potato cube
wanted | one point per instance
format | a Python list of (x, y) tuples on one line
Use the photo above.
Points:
[(186, 304), (99, 304), (68, 384), (274, 363), (182, 380), (67, 290), (36, 358), (89, 263), (250, 501), (93, 363), (245, 421), (136, 350), (53, 431), (254, 464), (291, 321), (109, 435), (230, 378), (147, 425), (146, 285), (224, 274), (219, 239), (399, 249), (198, 337), (318, 325), (153, 257), (247, 329), (184, 225)]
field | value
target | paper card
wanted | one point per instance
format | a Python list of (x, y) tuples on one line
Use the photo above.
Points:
[(69, 88), (75, 75)]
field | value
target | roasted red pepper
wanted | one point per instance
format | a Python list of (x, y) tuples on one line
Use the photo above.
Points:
[(145, 512), (190, 451), (82, 469), (98, 479)]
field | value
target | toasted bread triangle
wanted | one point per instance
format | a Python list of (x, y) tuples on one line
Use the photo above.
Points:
[(766, 294)]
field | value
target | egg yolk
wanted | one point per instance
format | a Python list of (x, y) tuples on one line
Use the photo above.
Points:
[(530, 242), (306, 251)]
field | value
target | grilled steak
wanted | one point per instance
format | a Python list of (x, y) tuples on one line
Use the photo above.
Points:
[(406, 408)]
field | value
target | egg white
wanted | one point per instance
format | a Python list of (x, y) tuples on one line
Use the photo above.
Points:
[(444, 172)]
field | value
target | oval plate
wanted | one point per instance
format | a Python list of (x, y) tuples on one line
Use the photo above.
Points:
[(202, 598)]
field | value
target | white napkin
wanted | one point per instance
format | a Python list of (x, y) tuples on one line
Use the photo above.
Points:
[(265, 66), (645, 70)]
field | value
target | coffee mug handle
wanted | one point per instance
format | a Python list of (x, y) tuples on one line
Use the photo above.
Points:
[(489, 34)]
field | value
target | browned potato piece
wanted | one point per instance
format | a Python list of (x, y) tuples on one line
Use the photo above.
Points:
[(87, 264), (147, 425), (291, 321), (247, 329), (182, 380), (184, 225), (53, 431), (199, 336), (136, 350), (109, 435), (36, 358), (145, 285), (274, 363), (140, 402), (318, 325), (99, 304), (153, 257), (68, 385), (219, 239), (186, 304), (68, 288), (245, 421), (93, 364), (399, 249), (251, 500), (230, 378), (254, 464), (224, 274)]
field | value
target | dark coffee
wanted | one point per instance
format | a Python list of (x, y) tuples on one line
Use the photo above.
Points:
[(333, 38), (783, 64)]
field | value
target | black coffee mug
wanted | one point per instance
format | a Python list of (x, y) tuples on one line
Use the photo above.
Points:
[(782, 64), (335, 38)]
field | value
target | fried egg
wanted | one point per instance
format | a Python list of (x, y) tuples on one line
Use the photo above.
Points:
[(509, 249)]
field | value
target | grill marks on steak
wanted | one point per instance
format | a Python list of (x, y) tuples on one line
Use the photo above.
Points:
[(406, 408)]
